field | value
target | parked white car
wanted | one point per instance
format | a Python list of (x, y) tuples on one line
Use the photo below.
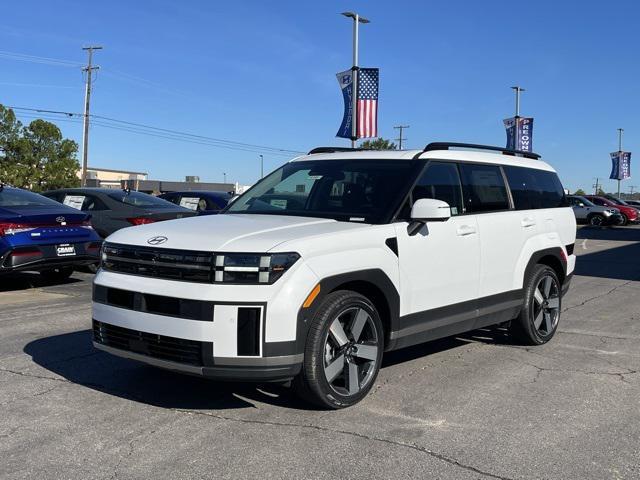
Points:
[(337, 257)]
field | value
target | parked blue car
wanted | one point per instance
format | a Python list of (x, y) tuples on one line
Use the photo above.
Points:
[(39, 234)]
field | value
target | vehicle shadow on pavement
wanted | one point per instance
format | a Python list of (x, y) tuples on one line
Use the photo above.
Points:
[(73, 357), (27, 280), (620, 262)]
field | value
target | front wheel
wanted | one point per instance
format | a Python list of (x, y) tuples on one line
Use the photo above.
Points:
[(343, 351), (540, 314), (56, 275), (596, 220)]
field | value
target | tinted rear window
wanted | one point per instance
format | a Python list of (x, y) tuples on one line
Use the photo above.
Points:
[(532, 188), (14, 197), (138, 199)]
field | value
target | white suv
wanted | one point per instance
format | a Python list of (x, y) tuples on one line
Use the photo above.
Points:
[(336, 257)]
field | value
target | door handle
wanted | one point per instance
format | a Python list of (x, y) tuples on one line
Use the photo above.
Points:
[(528, 222), (464, 230)]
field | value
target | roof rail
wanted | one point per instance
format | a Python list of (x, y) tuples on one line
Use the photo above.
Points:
[(504, 151), (333, 150)]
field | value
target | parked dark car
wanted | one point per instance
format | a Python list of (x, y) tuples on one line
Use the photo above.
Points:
[(619, 201), (113, 209), (38, 234), (203, 202)]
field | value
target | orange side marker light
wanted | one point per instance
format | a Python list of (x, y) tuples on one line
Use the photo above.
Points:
[(312, 296)]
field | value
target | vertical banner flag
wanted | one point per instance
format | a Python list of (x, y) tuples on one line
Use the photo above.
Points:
[(367, 113), (345, 79), (620, 165), (519, 133)]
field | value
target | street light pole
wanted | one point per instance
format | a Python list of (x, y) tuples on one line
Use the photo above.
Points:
[(357, 20), (518, 90), (261, 166), (620, 131)]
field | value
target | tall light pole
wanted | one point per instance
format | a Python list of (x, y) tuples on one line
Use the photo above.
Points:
[(518, 90), (620, 132), (357, 20), (224, 175), (85, 124), (261, 166)]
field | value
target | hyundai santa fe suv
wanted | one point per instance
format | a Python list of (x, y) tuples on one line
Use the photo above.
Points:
[(336, 257)]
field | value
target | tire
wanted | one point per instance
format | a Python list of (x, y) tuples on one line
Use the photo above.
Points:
[(624, 220), (56, 275), (596, 220), (343, 351), (93, 267), (540, 314)]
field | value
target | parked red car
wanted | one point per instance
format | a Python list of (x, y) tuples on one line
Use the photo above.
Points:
[(628, 214)]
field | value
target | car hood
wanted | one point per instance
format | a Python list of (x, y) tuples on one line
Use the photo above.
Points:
[(229, 232)]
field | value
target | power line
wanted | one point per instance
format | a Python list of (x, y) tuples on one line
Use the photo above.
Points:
[(139, 128), (23, 57)]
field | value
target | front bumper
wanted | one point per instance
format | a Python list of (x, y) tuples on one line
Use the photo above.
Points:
[(268, 369)]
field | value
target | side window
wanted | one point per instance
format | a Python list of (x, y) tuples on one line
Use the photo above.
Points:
[(93, 204), (523, 185), (442, 182), (484, 188), (550, 190)]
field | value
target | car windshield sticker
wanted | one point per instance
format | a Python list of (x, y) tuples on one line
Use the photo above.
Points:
[(190, 202), (74, 201), (278, 203)]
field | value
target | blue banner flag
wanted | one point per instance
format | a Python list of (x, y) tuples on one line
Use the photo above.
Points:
[(620, 165), (519, 133), (345, 79)]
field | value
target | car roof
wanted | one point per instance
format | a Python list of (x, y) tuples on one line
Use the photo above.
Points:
[(459, 155)]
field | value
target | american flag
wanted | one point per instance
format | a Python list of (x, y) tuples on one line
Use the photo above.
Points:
[(367, 124)]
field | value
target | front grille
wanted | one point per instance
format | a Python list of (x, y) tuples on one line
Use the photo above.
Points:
[(161, 347), (186, 265)]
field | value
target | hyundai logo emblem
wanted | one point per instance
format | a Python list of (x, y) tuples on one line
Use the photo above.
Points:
[(157, 240), (60, 219)]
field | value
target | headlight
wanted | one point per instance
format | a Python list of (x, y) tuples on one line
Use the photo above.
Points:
[(252, 268)]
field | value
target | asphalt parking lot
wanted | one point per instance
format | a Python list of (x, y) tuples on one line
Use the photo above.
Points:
[(470, 407)]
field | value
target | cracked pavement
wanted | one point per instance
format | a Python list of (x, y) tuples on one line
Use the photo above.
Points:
[(470, 407)]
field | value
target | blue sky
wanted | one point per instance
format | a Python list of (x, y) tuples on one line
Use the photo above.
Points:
[(264, 73)]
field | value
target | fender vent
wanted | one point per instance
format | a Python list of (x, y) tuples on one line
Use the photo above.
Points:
[(392, 243)]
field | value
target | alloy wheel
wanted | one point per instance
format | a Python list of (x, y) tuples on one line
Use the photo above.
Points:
[(546, 305), (351, 351)]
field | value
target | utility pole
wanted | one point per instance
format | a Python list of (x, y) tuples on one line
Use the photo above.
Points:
[(224, 175), (357, 20), (631, 189), (261, 166), (399, 139), (596, 186), (620, 131), (85, 124)]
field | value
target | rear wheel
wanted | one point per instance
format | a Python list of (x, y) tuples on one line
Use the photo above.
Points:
[(58, 274), (539, 317), (596, 220), (343, 351)]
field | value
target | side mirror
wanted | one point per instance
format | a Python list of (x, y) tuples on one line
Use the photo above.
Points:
[(428, 210), (581, 204)]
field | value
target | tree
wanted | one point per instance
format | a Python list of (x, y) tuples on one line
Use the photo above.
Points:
[(600, 192), (378, 144), (579, 192), (36, 156)]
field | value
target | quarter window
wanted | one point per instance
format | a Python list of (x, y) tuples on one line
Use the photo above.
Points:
[(532, 188), (484, 188), (442, 182)]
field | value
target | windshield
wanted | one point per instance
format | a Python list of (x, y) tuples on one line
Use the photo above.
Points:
[(617, 201), (139, 199), (586, 201), (14, 197), (347, 190)]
